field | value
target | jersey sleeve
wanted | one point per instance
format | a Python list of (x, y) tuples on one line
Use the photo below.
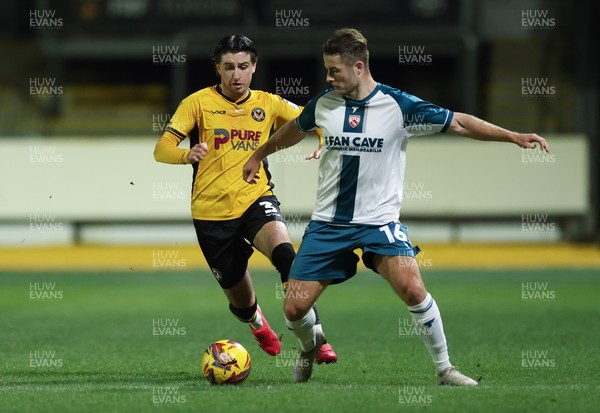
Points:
[(306, 121), (420, 117), (297, 111), (185, 117), (182, 123), (285, 111)]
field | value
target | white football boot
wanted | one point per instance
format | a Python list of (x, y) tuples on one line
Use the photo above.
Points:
[(302, 368), (453, 377)]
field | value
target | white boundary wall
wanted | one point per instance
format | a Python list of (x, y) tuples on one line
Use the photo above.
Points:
[(52, 181)]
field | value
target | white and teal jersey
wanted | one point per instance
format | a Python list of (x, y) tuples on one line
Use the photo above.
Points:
[(361, 171)]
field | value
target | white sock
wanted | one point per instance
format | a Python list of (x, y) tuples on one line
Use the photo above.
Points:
[(304, 330), (256, 322), (427, 315)]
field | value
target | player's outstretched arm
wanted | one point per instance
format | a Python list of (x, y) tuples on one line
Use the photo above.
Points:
[(167, 151), (288, 135), (472, 127)]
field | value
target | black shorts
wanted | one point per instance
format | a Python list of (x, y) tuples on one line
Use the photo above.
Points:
[(227, 245)]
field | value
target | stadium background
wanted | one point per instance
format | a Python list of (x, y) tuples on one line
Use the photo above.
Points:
[(90, 85), (96, 244)]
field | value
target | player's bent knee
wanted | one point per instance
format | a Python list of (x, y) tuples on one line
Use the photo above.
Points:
[(413, 294), (295, 310)]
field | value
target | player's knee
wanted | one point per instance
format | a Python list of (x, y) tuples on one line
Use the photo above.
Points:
[(413, 293), (282, 257), (294, 310)]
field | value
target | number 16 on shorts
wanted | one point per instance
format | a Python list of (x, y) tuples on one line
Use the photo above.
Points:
[(394, 231)]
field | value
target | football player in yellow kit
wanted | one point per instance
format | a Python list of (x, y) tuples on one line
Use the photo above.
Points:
[(225, 124)]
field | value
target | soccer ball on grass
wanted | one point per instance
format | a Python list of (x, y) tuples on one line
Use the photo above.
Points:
[(226, 362)]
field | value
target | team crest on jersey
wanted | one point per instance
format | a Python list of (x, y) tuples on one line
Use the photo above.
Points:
[(354, 120), (258, 114)]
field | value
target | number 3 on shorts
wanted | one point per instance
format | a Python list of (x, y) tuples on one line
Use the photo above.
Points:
[(269, 208), (396, 234)]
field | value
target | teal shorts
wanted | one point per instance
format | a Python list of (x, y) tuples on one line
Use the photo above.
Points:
[(327, 250)]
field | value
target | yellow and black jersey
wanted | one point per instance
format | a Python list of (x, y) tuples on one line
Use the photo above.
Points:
[(232, 131)]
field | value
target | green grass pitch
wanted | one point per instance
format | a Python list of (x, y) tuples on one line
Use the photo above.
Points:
[(85, 342)]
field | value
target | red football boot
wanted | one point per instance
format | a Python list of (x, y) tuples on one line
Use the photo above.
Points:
[(266, 337), (326, 354)]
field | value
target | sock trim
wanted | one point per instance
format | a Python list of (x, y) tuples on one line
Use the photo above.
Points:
[(425, 309)]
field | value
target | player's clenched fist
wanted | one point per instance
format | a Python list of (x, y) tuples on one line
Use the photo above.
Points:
[(197, 152)]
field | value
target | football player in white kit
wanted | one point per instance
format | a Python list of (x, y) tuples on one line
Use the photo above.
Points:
[(366, 126)]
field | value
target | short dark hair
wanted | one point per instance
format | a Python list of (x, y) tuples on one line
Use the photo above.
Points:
[(232, 44), (350, 44)]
